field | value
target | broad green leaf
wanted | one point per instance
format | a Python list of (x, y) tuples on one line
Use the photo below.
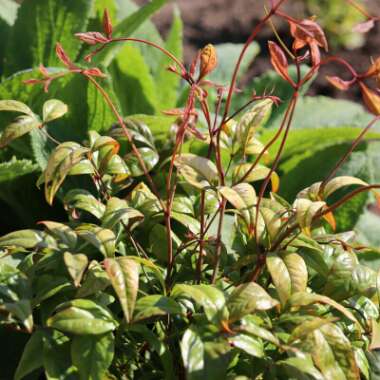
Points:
[(124, 276), (133, 82), (83, 200), (61, 232), (155, 305), (129, 25), (188, 221), (333, 354), (308, 327), (257, 174), (61, 161), (158, 242), (289, 273), (15, 106), (21, 126), (76, 266), (92, 355), (250, 326), (305, 299), (149, 156), (168, 82), (82, 317), (250, 122), (53, 109), (39, 25), (304, 364), (247, 298), (247, 343), (26, 239), (117, 210), (209, 297), (101, 238), (96, 280), (306, 210), (31, 358), (56, 357), (197, 171), (192, 351)]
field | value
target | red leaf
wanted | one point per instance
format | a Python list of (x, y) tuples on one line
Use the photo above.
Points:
[(63, 57), (364, 27), (371, 99), (94, 72), (279, 61), (92, 38), (339, 83), (107, 25)]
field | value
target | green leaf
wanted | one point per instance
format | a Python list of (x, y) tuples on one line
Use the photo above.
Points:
[(82, 317), (192, 351), (8, 11), (209, 297), (247, 298), (101, 238), (198, 171), (92, 355), (26, 239), (251, 345), (61, 232), (250, 326), (305, 299), (15, 106), (124, 277), (306, 210), (166, 81), (96, 280), (53, 109), (133, 82), (56, 358), (289, 273), (21, 126), (46, 22), (304, 364), (76, 266), (61, 161), (250, 122), (158, 242), (149, 156), (31, 358), (14, 169), (83, 200), (128, 26), (155, 305)]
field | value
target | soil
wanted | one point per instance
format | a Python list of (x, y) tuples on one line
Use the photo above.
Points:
[(218, 21)]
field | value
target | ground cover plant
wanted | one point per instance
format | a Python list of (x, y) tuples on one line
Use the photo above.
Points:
[(189, 228)]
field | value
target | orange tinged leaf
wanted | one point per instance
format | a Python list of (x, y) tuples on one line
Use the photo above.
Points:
[(209, 60), (371, 99), (279, 61), (339, 83), (330, 219)]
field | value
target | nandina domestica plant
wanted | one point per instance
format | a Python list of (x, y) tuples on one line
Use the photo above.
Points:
[(178, 259)]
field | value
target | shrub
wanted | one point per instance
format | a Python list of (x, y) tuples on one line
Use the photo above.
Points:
[(174, 259)]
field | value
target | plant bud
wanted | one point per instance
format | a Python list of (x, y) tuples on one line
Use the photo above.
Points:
[(107, 25), (209, 60)]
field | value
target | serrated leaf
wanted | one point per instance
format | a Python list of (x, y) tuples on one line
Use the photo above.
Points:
[(124, 276), (82, 317)]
